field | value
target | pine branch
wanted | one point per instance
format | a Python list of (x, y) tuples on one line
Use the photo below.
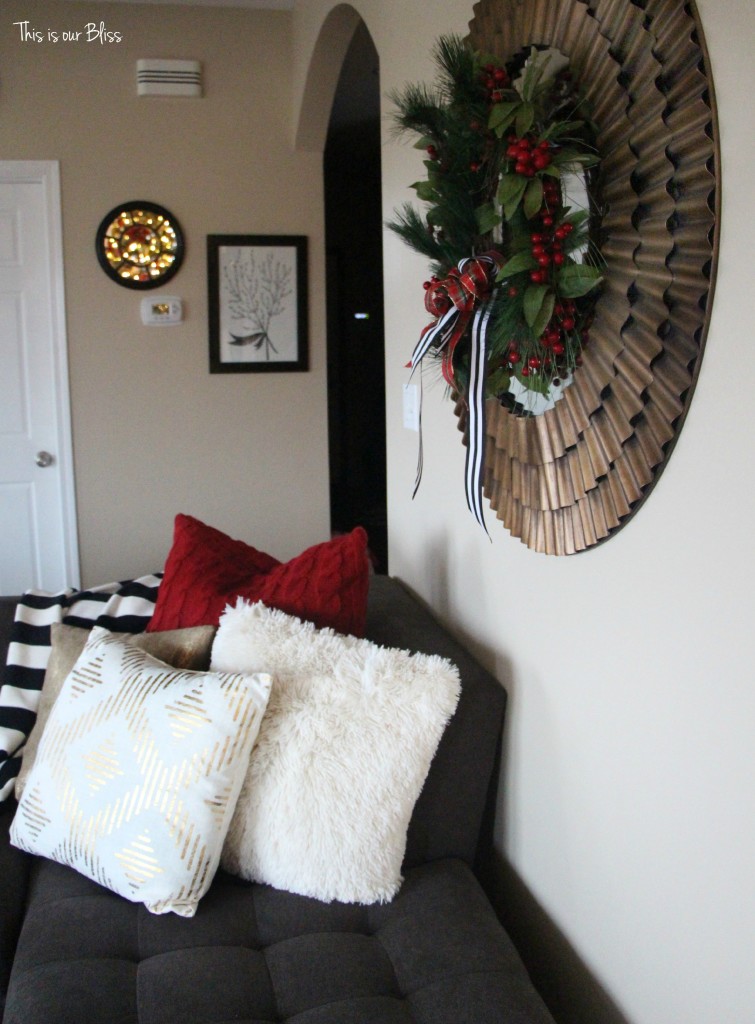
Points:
[(458, 68), (414, 231), (420, 110)]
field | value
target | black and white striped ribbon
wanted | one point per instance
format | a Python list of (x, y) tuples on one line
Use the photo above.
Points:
[(475, 463), (436, 336), (475, 458)]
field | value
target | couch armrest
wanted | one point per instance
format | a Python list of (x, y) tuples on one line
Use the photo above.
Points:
[(452, 813), (14, 879)]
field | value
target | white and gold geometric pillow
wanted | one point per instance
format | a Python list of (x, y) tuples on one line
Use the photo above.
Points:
[(138, 772), (182, 648)]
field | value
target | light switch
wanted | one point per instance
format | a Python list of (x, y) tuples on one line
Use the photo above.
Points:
[(162, 309), (411, 406)]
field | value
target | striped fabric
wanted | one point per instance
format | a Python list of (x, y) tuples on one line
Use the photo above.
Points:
[(124, 607)]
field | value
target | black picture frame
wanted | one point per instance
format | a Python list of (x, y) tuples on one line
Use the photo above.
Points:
[(258, 303)]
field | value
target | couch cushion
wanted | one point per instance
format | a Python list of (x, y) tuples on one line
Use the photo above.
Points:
[(253, 954)]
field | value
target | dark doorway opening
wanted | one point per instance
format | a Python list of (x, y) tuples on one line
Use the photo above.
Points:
[(354, 248)]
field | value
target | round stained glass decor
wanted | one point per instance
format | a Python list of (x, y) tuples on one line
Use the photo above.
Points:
[(139, 244)]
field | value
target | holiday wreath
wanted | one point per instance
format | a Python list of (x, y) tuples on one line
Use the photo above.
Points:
[(514, 267)]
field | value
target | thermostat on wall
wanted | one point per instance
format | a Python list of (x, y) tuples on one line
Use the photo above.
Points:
[(162, 309)]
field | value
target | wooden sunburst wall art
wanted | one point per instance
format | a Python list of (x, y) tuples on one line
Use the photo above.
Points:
[(570, 478)]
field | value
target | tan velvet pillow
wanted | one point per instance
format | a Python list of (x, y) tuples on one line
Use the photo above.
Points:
[(181, 648)]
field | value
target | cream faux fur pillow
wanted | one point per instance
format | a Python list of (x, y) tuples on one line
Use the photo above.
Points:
[(341, 757)]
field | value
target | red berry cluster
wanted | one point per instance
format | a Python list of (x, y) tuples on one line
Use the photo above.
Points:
[(533, 365), (561, 324), (554, 341), (551, 201), (548, 248), (529, 154), (556, 352), (494, 79)]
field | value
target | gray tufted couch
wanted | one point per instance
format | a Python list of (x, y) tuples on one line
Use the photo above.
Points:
[(72, 952)]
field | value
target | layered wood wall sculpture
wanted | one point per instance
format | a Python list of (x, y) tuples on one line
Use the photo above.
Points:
[(570, 478)]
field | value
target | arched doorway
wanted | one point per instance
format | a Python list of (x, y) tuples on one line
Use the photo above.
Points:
[(354, 252)]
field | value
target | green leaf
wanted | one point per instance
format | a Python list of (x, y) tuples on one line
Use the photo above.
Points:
[(424, 190), (535, 382), (543, 317), (505, 124), (524, 119), (565, 155), (509, 186), (433, 175), (488, 218), (533, 197), (511, 205), (588, 160), (570, 155), (520, 261), (533, 300), (533, 72), (423, 142), (498, 382), (577, 218), (559, 128), (577, 279), (519, 236), (503, 112)]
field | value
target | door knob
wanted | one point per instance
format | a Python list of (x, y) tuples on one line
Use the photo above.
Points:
[(44, 459)]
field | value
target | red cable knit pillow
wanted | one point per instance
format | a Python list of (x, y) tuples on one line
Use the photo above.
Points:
[(206, 570)]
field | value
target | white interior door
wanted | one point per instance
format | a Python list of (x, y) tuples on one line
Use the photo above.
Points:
[(38, 546)]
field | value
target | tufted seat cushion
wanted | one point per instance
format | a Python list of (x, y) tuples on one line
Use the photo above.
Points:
[(257, 955), (436, 954)]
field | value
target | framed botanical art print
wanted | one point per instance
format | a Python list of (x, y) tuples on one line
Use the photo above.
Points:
[(258, 305)]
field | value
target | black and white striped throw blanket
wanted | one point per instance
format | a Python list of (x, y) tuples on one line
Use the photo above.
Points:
[(124, 607)]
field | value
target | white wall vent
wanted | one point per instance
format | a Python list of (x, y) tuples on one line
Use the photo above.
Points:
[(168, 77)]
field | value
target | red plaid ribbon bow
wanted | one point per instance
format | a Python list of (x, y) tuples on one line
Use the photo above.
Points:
[(452, 301)]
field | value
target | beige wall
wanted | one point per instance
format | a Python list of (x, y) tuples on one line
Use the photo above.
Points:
[(629, 789), (154, 433), (627, 799)]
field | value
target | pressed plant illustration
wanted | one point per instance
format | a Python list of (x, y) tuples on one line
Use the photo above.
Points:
[(256, 293)]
